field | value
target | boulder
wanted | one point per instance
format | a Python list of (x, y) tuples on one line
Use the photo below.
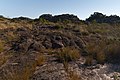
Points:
[(57, 44)]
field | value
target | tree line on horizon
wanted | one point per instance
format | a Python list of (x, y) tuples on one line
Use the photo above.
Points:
[(96, 17)]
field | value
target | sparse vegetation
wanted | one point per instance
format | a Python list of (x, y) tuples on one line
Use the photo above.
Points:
[(58, 27), (57, 40), (101, 57), (113, 53), (96, 52), (68, 54), (89, 60), (4, 58), (2, 45), (74, 76), (24, 74), (40, 59)]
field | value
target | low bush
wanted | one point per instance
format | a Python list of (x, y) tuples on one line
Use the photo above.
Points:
[(95, 52), (23, 74), (58, 27), (103, 53), (68, 54), (65, 55), (113, 53)]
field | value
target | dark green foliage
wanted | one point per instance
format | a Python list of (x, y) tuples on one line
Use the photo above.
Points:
[(101, 18), (43, 21), (97, 17), (24, 18), (58, 27), (48, 17), (66, 17), (21, 19), (60, 18), (1, 16)]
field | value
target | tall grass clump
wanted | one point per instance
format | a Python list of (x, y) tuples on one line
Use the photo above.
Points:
[(95, 52), (113, 53), (68, 54)]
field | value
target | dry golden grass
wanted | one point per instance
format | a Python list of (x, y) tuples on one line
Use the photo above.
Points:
[(65, 64), (74, 76), (65, 55), (4, 58), (24, 74), (40, 59), (89, 60), (2, 45), (10, 36), (113, 53), (95, 52), (68, 54), (101, 57)]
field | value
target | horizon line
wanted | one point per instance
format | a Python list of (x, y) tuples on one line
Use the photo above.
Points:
[(11, 17)]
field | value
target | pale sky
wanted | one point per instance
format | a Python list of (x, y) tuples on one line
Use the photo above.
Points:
[(81, 8)]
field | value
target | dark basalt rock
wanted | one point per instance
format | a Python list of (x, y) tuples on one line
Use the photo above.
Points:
[(56, 44), (39, 39)]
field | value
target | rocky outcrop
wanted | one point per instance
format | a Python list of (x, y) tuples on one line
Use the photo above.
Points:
[(30, 43), (36, 40)]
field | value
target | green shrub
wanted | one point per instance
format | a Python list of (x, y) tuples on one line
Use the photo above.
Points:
[(44, 21), (58, 27)]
